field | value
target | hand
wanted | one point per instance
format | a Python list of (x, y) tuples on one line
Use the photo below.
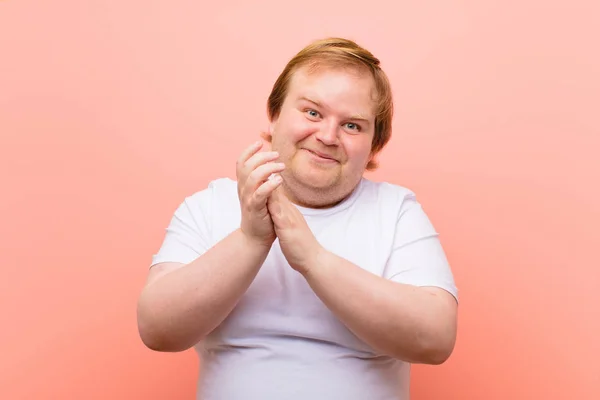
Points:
[(253, 170), (298, 243)]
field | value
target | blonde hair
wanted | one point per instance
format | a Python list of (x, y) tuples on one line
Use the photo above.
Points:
[(340, 53)]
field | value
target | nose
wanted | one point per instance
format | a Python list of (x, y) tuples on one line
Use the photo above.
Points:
[(328, 134)]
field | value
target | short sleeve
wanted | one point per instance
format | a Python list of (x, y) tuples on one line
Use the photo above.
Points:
[(417, 255), (188, 234)]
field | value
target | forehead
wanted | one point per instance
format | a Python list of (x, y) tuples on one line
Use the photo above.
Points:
[(350, 90)]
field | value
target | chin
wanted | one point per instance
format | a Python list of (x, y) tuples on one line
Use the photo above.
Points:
[(316, 178)]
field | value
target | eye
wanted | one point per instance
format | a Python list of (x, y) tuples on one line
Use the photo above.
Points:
[(353, 126), (312, 113)]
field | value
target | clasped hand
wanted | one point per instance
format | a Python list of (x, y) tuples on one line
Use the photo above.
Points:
[(267, 213)]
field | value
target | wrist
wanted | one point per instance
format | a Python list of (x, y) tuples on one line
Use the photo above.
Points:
[(316, 259), (254, 243)]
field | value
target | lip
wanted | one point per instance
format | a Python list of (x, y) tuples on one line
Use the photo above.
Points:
[(321, 155)]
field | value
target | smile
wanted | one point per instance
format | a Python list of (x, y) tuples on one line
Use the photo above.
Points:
[(321, 157)]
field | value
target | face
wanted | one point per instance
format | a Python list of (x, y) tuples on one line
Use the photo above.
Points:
[(324, 133)]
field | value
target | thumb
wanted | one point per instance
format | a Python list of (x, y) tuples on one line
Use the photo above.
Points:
[(274, 201)]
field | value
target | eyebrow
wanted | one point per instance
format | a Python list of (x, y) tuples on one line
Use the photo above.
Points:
[(356, 117)]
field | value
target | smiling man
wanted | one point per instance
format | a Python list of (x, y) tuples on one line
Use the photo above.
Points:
[(302, 279)]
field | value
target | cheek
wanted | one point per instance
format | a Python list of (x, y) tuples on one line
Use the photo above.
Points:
[(294, 130), (358, 149)]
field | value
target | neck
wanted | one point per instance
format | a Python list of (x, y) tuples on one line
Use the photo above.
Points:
[(313, 197)]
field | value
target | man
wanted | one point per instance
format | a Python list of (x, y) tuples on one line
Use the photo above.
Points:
[(303, 279)]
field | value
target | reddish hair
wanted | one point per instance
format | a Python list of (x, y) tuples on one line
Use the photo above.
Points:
[(340, 53)]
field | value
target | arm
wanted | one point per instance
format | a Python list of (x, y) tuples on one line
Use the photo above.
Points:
[(415, 324), (181, 304), (400, 314), (184, 301)]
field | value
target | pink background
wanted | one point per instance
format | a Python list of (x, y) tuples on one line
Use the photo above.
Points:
[(112, 112)]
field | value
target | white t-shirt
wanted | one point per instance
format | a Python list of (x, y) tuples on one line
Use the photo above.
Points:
[(281, 342)]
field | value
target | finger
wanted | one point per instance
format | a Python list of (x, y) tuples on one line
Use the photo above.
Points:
[(249, 152), (274, 205), (259, 159), (274, 197), (263, 192), (262, 173)]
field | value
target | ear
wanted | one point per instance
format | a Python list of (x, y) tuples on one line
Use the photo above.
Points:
[(267, 136), (266, 139), (272, 127), (371, 157), (371, 162)]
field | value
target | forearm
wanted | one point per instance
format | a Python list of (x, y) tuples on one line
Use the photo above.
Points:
[(404, 321), (182, 307)]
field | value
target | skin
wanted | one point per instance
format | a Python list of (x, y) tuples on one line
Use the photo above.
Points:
[(415, 324), (330, 113), (316, 153), (207, 289)]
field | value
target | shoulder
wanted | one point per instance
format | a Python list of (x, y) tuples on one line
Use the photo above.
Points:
[(386, 193), (217, 189), (218, 192), (393, 202), (400, 204)]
